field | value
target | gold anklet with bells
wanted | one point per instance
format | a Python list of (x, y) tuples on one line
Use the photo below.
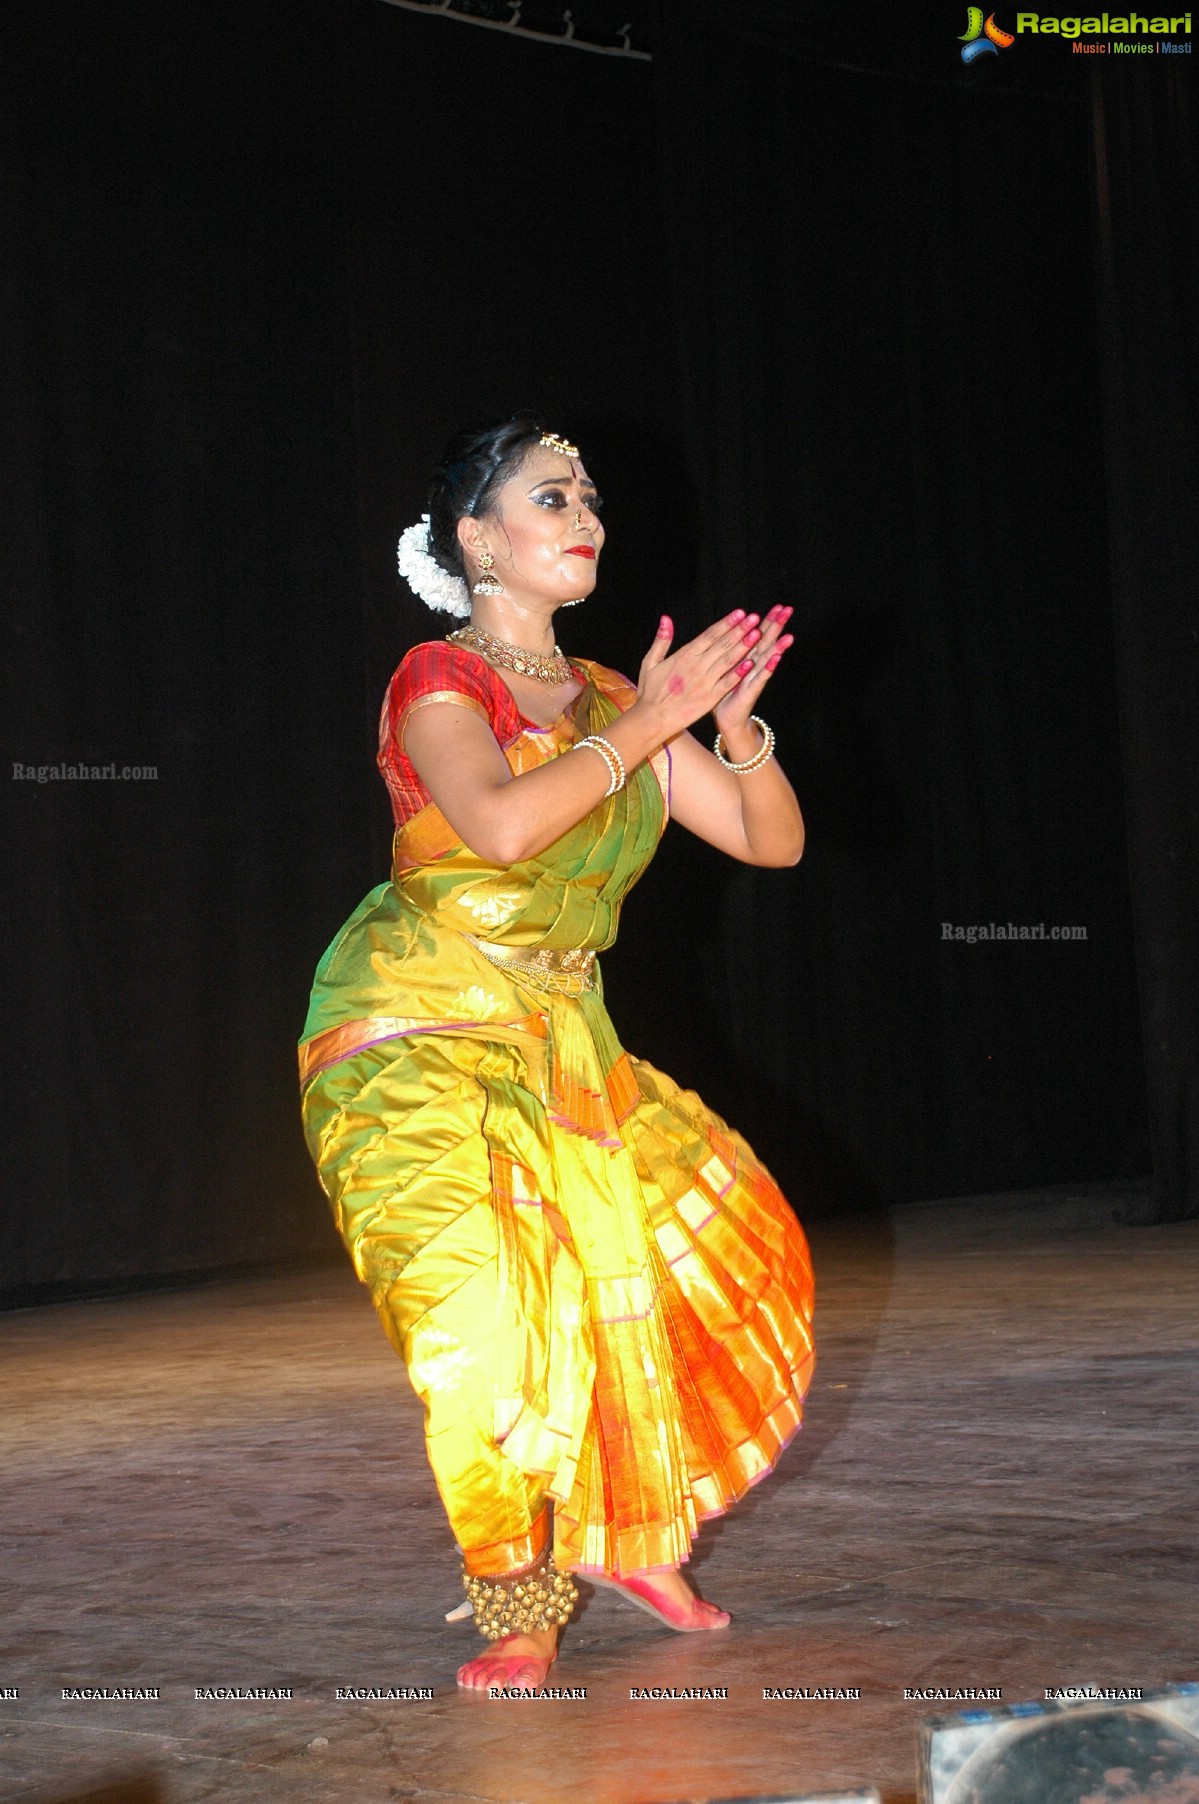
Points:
[(521, 1603)]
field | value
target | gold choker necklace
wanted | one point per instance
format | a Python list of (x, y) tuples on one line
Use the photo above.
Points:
[(554, 669)]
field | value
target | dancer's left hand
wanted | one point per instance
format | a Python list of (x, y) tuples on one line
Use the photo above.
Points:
[(732, 712)]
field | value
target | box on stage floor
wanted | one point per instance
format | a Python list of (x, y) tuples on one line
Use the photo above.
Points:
[(1087, 1745)]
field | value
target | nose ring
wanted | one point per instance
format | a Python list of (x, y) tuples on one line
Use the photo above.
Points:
[(578, 519)]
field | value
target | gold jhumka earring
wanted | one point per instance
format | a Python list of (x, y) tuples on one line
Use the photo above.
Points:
[(488, 584)]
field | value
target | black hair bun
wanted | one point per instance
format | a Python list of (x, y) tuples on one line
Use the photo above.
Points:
[(476, 462)]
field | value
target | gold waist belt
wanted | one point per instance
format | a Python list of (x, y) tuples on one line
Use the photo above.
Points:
[(569, 971)]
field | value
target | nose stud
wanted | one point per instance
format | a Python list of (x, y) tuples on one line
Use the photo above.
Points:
[(578, 519)]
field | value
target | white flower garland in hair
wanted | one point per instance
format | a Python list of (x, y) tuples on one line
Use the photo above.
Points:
[(425, 576)]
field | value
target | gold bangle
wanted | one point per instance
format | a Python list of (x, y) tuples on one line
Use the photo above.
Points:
[(611, 757), (764, 751)]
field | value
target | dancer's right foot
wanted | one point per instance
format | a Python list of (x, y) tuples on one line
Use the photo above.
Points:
[(518, 1661), (665, 1593)]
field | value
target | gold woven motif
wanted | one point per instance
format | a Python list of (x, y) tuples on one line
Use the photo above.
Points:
[(569, 971)]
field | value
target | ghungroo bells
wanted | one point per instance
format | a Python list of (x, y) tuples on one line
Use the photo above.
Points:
[(521, 1603)]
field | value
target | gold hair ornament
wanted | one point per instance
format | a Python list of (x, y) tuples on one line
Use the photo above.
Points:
[(552, 442)]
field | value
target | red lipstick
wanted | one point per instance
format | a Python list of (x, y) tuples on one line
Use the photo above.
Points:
[(580, 551)]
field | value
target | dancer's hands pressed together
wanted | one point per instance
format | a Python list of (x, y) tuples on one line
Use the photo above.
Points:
[(506, 818), (680, 687), (722, 670), (753, 816), (732, 713)]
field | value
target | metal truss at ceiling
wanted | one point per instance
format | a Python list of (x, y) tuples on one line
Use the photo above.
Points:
[(596, 25)]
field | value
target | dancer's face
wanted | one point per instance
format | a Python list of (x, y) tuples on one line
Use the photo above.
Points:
[(543, 531)]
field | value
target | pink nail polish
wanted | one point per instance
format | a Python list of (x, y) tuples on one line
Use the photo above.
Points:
[(772, 661), (737, 614), (746, 665), (751, 637)]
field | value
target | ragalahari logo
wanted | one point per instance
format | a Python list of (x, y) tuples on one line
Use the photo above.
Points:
[(982, 37)]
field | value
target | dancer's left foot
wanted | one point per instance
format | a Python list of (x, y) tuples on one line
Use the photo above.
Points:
[(517, 1660), (667, 1595)]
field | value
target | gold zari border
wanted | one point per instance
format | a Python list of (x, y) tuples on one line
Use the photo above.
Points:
[(569, 970), (436, 695), (337, 1043)]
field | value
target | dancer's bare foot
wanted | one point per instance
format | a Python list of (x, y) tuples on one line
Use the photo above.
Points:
[(666, 1594), (517, 1660)]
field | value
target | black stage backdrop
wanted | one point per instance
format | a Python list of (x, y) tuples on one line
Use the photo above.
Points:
[(1146, 163), (828, 335)]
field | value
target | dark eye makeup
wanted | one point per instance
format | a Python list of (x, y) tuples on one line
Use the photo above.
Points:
[(556, 498)]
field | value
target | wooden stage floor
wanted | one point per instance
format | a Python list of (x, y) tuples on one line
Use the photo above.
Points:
[(225, 1486)]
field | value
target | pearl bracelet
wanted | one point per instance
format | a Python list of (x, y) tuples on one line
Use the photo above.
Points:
[(765, 750), (611, 758)]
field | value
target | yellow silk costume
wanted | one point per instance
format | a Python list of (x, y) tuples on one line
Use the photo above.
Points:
[(602, 1297)]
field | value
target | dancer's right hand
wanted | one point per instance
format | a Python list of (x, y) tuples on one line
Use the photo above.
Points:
[(681, 687)]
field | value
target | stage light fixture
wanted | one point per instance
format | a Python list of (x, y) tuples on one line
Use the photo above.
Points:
[(870, 1796), (1086, 1744)]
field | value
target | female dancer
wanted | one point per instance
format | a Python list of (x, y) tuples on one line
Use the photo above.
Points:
[(602, 1298)]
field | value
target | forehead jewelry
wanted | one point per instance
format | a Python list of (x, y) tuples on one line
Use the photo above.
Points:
[(553, 443)]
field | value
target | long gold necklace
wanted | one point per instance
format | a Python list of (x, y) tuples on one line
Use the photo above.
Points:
[(554, 669)]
